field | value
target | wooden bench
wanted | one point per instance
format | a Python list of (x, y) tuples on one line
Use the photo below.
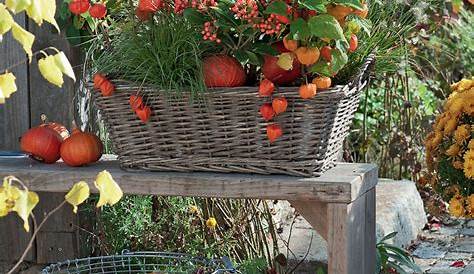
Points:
[(340, 204)]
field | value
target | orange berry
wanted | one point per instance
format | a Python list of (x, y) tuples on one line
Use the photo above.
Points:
[(136, 101), (279, 105), (308, 91), (353, 43), (322, 82), (267, 112), (307, 56), (290, 45), (107, 88), (274, 132), (266, 88), (143, 113), (326, 53)]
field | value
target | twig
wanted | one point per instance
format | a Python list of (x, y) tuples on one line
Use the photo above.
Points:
[(33, 237)]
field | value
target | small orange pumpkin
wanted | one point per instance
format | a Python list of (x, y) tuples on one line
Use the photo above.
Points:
[(42, 143), (59, 128), (81, 148)]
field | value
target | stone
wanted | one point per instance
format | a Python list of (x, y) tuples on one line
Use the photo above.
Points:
[(470, 223), (458, 256), (429, 251), (468, 269), (399, 208), (465, 245), (467, 232), (444, 267)]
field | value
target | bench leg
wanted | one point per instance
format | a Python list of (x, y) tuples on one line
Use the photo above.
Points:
[(351, 236), (349, 230)]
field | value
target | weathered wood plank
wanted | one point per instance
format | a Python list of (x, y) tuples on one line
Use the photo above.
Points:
[(14, 120), (315, 213), (334, 186), (351, 236), (56, 247), (14, 115)]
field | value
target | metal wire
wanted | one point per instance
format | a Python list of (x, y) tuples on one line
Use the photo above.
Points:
[(143, 262)]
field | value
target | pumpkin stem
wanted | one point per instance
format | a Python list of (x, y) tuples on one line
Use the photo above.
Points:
[(44, 118)]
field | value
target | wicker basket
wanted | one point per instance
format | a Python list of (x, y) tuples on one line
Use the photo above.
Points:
[(225, 132)]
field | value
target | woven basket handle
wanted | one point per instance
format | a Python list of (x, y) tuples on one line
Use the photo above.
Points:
[(361, 77)]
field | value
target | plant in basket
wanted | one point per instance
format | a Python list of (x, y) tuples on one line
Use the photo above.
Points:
[(232, 72), (450, 150)]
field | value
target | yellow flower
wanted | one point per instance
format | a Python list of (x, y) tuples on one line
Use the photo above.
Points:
[(438, 137), (456, 206), (110, 192), (470, 205), (450, 126), (453, 150), (469, 165), (211, 223), (77, 195), (458, 164), (456, 105), (462, 133), (471, 144), (193, 209)]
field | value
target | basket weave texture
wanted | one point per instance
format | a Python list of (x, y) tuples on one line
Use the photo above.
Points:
[(224, 132)]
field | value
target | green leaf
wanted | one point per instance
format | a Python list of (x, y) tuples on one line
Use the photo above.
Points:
[(299, 30), (350, 3), (264, 48), (339, 60), (253, 58), (241, 56), (193, 16), (388, 236), (326, 26), (317, 5), (320, 271), (277, 7)]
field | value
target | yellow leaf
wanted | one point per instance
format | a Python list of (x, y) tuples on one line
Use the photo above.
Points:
[(50, 71), (48, 9), (285, 61), (7, 86), (109, 190), (63, 64), (78, 194), (34, 11), (6, 20), (24, 205), (24, 37), (3, 203), (17, 6)]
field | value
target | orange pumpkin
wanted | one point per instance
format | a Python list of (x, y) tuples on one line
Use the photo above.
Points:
[(42, 143), (81, 148), (223, 71)]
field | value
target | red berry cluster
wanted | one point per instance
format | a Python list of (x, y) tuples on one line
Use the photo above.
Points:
[(201, 5), (245, 9), (270, 25), (210, 31), (180, 5)]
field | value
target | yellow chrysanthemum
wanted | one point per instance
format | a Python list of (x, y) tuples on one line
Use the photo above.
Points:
[(193, 209), (470, 145), (453, 150), (437, 139), (458, 165), (462, 133), (455, 106), (470, 205), (456, 206), (469, 169), (211, 223), (450, 126)]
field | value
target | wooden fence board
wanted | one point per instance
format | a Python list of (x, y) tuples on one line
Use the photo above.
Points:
[(14, 120)]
